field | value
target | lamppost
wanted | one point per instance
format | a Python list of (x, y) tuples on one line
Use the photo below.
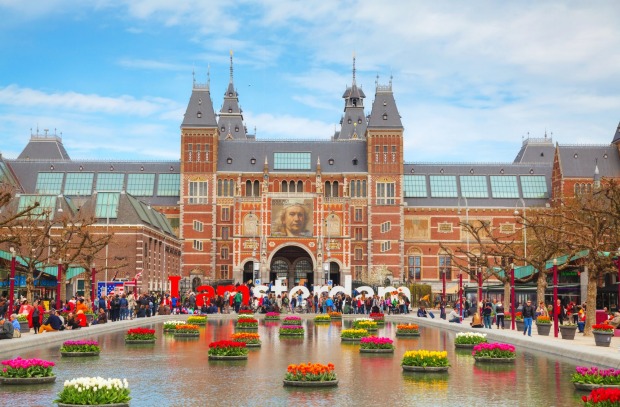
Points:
[(479, 275), (618, 264), (461, 294), (555, 298), (524, 225), (58, 281), (512, 295), (443, 282), (12, 282), (461, 273), (93, 273)]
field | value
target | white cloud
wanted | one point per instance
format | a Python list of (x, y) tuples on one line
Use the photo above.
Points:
[(147, 64)]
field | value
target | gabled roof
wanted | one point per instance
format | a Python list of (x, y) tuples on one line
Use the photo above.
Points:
[(384, 113), (44, 147), (199, 112), (230, 122), (335, 156), (580, 161), (536, 150), (616, 139)]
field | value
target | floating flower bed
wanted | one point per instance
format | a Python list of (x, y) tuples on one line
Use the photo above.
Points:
[(250, 339), (170, 326), (589, 378), (140, 335), (602, 398), (247, 323), (494, 352), (27, 371), (322, 318), (353, 334), (246, 312), (272, 316), (335, 315), (292, 320), (228, 350), (373, 344), (80, 348), (407, 330), (94, 391), (291, 330), (197, 320), (310, 375), (186, 330), (365, 323), (469, 339), (425, 361), (378, 317)]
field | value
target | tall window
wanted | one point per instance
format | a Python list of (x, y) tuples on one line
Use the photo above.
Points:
[(197, 152), (359, 214), (226, 213), (207, 149), (358, 272), (359, 235), (225, 187), (358, 188), (393, 154), (331, 189), (197, 192), (376, 154), (197, 245), (359, 253), (224, 253), (415, 267), (252, 188), (190, 152), (224, 271), (225, 233), (445, 265), (198, 226), (386, 191)]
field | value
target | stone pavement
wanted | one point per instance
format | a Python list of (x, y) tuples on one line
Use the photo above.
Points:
[(581, 350)]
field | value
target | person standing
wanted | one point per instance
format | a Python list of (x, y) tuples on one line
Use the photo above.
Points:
[(528, 314), (131, 304), (37, 315), (26, 309), (487, 311), (124, 307), (499, 315)]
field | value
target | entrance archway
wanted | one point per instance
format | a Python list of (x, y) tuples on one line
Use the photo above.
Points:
[(294, 265), (332, 273), (250, 271)]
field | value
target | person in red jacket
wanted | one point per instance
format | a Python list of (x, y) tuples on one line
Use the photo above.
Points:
[(81, 319), (37, 315)]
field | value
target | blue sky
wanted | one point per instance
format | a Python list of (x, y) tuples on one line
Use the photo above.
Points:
[(471, 79)]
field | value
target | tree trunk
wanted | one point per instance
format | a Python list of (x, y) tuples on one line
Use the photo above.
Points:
[(507, 295), (30, 286), (591, 301), (541, 287), (87, 290)]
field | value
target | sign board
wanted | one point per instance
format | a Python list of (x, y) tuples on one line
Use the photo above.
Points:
[(115, 287), (330, 283), (257, 281)]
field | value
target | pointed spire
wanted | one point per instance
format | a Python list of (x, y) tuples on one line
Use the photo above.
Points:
[(193, 76), (597, 176), (208, 76), (353, 67), (231, 66)]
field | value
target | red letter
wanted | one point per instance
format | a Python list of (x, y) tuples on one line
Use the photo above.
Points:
[(210, 293), (174, 285)]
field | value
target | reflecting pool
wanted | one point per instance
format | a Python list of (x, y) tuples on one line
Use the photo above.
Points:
[(175, 372)]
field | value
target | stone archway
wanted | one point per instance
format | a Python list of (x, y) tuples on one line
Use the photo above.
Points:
[(294, 265)]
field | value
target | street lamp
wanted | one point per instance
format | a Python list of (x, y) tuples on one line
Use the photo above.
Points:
[(93, 273), (555, 298), (524, 225), (443, 282), (618, 264), (58, 280), (512, 295), (460, 272), (12, 282)]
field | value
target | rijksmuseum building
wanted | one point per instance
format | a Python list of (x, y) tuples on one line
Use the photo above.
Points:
[(305, 211)]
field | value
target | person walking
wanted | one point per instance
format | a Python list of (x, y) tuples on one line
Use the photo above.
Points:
[(37, 315), (528, 314), (487, 311), (499, 315)]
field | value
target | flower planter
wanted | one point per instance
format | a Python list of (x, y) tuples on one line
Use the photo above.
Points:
[(92, 405), (222, 357), (292, 334), (78, 354), (350, 339), (520, 326), (376, 350), (425, 369), (494, 360), (299, 383), (252, 345), (507, 323), (24, 327), (138, 341), (602, 338), (543, 329), (187, 334), (27, 380), (568, 331), (272, 319), (464, 345), (407, 333), (247, 327), (592, 386)]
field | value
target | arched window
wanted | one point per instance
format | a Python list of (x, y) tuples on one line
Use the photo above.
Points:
[(302, 268), (248, 188), (280, 267), (256, 188), (328, 189), (284, 186), (291, 186), (335, 189), (300, 186)]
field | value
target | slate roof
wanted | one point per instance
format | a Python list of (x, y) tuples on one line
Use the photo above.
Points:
[(44, 148), (616, 136), (536, 150), (230, 122), (579, 161), (343, 154), (199, 112), (384, 113)]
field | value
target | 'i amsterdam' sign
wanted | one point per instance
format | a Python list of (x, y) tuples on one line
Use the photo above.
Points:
[(206, 291)]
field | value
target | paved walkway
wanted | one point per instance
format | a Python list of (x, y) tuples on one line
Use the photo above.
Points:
[(581, 350)]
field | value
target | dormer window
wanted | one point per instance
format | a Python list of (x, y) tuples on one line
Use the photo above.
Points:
[(331, 161), (223, 128), (199, 115), (230, 94), (229, 160), (359, 120), (252, 160), (349, 121), (355, 161), (384, 103), (237, 129), (384, 116), (230, 110)]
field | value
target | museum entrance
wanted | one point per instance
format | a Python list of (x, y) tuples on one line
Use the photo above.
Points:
[(293, 265)]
